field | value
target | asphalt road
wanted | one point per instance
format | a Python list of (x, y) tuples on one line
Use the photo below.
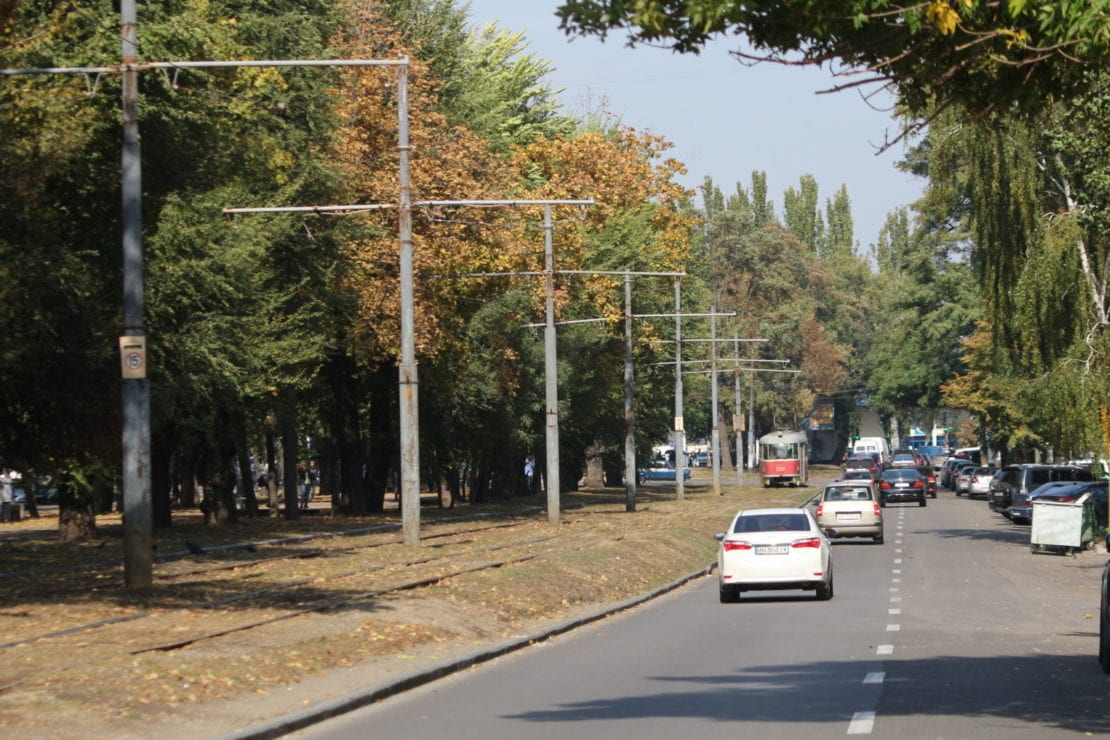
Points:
[(952, 629)]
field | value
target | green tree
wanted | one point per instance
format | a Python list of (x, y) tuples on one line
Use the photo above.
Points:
[(801, 216), (974, 54)]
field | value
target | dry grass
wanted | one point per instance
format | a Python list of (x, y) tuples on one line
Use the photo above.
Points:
[(252, 622)]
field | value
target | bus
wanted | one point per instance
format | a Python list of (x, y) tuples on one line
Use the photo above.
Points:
[(784, 458)]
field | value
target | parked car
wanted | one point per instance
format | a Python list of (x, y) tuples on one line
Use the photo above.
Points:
[(902, 484), (1072, 492), (771, 549), (947, 477), (1021, 510), (646, 474), (849, 509), (980, 482), (963, 479), (1023, 479)]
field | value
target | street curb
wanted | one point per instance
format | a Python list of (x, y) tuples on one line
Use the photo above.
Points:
[(327, 710)]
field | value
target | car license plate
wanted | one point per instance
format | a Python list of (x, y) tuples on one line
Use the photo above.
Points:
[(901, 485), (848, 516), (771, 549)]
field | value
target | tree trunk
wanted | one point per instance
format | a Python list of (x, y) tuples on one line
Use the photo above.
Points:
[(76, 519), (246, 479), (726, 437), (595, 467), (289, 453), (348, 433), (271, 466), (30, 487), (160, 475), (383, 448)]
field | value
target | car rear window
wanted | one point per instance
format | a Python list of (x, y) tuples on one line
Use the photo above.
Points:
[(773, 523), (845, 493)]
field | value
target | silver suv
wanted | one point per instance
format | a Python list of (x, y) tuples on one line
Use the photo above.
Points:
[(1018, 481)]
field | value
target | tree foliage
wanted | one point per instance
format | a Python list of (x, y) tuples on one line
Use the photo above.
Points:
[(976, 54)]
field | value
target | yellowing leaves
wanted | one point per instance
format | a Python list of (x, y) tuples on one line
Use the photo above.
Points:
[(942, 16)]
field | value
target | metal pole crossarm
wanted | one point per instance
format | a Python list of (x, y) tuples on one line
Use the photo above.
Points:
[(142, 66), (680, 315), (315, 209), (483, 275), (356, 207), (721, 359), (494, 203), (622, 273), (746, 370), (570, 321)]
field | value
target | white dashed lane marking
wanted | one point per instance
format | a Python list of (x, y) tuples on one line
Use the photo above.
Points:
[(876, 677), (884, 650), (862, 723)]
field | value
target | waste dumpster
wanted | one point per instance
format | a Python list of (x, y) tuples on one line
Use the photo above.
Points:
[(1063, 527)]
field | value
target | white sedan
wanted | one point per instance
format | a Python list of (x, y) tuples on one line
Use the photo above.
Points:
[(771, 549)]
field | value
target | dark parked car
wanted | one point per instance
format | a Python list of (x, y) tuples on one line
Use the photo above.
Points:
[(902, 484), (1068, 493), (951, 470), (1024, 479)]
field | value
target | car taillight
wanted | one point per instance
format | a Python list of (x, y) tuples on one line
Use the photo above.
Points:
[(878, 511), (808, 542), (918, 484), (729, 546), (820, 508), (885, 484)]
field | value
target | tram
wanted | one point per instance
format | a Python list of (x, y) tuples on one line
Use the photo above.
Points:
[(784, 458)]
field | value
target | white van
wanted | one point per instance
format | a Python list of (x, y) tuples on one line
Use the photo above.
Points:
[(870, 445)]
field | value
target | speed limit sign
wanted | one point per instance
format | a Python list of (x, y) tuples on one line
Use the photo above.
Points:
[(132, 352)]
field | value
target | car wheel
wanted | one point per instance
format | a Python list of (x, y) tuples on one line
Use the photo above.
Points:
[(729, 594), (825, 592), (882, 502), (878, 538), (922, 502)]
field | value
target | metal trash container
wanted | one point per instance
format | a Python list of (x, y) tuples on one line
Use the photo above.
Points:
[(1063, 527)]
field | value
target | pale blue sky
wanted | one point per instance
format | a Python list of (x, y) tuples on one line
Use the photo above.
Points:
[(726, 120)]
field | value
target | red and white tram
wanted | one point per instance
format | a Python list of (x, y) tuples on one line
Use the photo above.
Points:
[(784, 458)]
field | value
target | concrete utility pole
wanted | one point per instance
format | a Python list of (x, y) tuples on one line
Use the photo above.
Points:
[(715, 436), (629, 413), (138, 524), (551, 370), (679, 422), (407, 379)]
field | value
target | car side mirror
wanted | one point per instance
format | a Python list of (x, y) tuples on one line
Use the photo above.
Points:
[(720, 536)]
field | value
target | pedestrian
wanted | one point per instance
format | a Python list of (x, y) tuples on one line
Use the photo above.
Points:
[(529, 472), (7, 498), (307, 475)]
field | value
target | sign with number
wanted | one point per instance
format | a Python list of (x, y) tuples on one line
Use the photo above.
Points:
[(132, 353)]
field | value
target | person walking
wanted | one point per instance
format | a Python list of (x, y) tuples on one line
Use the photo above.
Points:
[(307, 475), (529, 473), (7, 498)]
